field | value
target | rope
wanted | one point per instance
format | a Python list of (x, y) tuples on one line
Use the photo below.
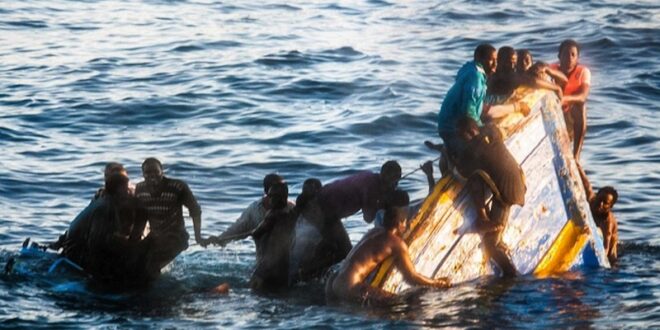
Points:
[(417, 169)]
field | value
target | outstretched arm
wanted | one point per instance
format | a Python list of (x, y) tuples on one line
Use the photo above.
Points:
[(558, 76), (541, 83), (188, 199), (407, 269), (588, 189)]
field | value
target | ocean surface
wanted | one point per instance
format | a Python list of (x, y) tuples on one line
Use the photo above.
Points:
[(226, 92)]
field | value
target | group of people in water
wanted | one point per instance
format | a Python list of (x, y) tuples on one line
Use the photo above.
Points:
[(300, 241)]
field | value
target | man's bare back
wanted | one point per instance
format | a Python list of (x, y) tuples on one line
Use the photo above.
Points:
[(349, 283)]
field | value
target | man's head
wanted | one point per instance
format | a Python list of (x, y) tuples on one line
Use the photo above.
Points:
[(390, 174), (271, 179), (606, 198), (399, 198), (486, 55), (395, 218), (467, 128), (538, 69), (112, 168), (278, 195), (116, 184), (525, 60), (152, 171), (568, 54), (507, 58), (311, 187)]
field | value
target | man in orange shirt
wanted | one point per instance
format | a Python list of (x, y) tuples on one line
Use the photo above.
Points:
[(576, 89)]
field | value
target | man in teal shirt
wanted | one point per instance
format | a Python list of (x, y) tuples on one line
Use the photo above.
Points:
[(466, 96)]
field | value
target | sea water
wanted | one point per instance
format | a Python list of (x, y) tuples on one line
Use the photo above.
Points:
[(226, 92)]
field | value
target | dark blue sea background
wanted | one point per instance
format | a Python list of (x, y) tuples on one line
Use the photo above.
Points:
[(226, 92)]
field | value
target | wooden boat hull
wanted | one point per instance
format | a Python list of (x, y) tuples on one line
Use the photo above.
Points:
[(553, 232)]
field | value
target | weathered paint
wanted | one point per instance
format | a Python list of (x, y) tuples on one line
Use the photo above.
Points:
[(553, 232)]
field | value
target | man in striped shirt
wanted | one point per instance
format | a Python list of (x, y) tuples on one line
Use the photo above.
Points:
[(163, 199)]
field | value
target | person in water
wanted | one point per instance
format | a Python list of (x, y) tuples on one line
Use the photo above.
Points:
[(251, 217), (576, 90), (349, 282), (116, 252), (273, 237), (110, 169), (399, 198), (102, 238), (366, 191), (309, 253), (601, 204), (164, 198)]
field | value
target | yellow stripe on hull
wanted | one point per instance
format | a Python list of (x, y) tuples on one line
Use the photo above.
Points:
[(563, 252)]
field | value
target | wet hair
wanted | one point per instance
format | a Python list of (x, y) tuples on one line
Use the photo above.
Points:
[(522, 53), (483, 51), (271, 179), (113, 167), (504, 55), (281, 188), (399, 198), (537, 68), (389, 218), (391, 166), (151, 160), (611, 191), (115, 184), (567, 44), (310, 189)]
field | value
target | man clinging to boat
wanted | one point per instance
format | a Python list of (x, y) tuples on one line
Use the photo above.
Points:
[(576, 87), (490, 168), (366, 191), (480, 154), (349, 283), (601, 204)]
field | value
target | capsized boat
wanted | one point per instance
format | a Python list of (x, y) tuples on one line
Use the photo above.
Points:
[(552, 233)]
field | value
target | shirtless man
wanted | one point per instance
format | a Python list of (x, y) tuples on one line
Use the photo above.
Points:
[(349, 282), (601, 204)]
